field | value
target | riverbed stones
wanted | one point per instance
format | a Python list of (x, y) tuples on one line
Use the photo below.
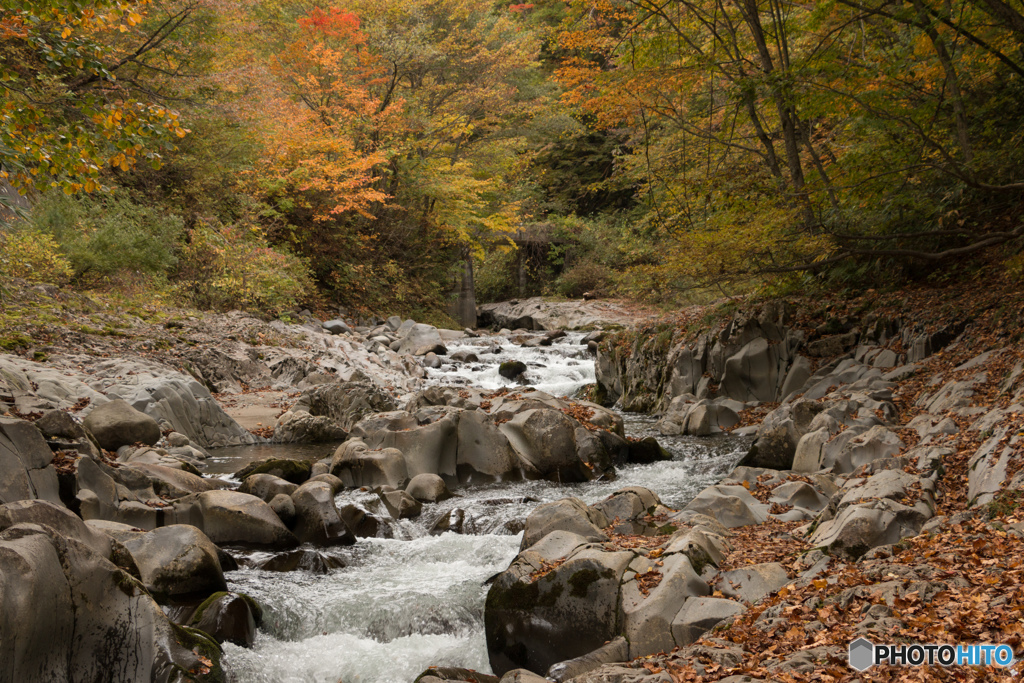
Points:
[(317, 518), (401, 505), (732, 506), (421, 339), (116, 423), (484, 452), (511, 369), (177, 561), (428, 488)]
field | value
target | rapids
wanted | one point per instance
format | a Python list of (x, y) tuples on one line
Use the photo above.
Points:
[(402, 604)]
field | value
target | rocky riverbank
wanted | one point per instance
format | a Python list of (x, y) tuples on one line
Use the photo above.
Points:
[(880, 494), (880, 499)]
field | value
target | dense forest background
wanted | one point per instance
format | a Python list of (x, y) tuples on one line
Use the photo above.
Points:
[(266, 154)]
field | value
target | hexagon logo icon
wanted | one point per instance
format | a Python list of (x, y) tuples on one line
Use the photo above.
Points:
[(862, 654)]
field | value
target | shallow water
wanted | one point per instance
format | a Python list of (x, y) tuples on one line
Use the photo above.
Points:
[(416, 600)]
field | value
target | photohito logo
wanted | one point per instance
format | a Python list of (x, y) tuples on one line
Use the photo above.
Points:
[(864, 654)]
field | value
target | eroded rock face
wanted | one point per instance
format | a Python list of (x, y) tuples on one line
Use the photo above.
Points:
[(25, 469), (67, 613)]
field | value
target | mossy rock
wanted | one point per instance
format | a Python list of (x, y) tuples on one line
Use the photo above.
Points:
[(203, 645), (511, 369), (295, 471)]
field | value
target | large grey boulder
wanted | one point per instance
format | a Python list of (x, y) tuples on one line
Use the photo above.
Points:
[(26, 472), (356, 465), (400, 505), (752, 583), (546, 443), (266, 486), (177, 561), (421, 339), (875, 444), (428, 488), (534, 623), (116, 423), (318, 520), (68, 614), (616, 650), (484, 453), (56, 517), (732, 506), (430, 447), (567, 514), (233, 518)]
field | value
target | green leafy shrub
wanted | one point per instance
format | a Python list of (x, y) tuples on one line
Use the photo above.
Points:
[(104, 236), (32, 255), (225, 267), (586, 276)]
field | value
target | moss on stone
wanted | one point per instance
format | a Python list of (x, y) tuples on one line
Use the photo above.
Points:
[(295, 471)]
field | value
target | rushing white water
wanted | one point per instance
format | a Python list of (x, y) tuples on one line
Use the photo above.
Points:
[(403, 604), (559, 369)]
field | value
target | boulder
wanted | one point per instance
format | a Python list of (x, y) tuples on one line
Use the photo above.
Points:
[(266, 486), (427, 447), (401, 505), (774, 448), (628, 504), (317, 518), (230, 517), (484, 453), (26, 472), (732, 506), (116, 423), (295, 471), (875, 444), (298, 426), (752, 583), (570, 611), (616, 650), (546, 442), (177, 561), (511, 369), (228, 618), (647, 450), (284, 507), (420, 339), (69, 614), (56, 517), (356, 465), (428, 488), (302, 560), (699, 615), (567, 514), (647, 619)]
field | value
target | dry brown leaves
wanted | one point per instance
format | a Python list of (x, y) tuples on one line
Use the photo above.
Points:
[(545, 569), (649, 580), (263, 432), (981, 569), (66, 461), (771, 541)]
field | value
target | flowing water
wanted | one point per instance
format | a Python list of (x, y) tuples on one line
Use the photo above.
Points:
[(402, 604)]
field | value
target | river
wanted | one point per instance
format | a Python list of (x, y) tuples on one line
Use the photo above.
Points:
[(401, 604)]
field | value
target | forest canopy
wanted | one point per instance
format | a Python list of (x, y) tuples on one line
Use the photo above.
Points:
[(269, 153)]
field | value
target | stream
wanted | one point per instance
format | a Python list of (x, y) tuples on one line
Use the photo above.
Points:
[(401, 604)]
